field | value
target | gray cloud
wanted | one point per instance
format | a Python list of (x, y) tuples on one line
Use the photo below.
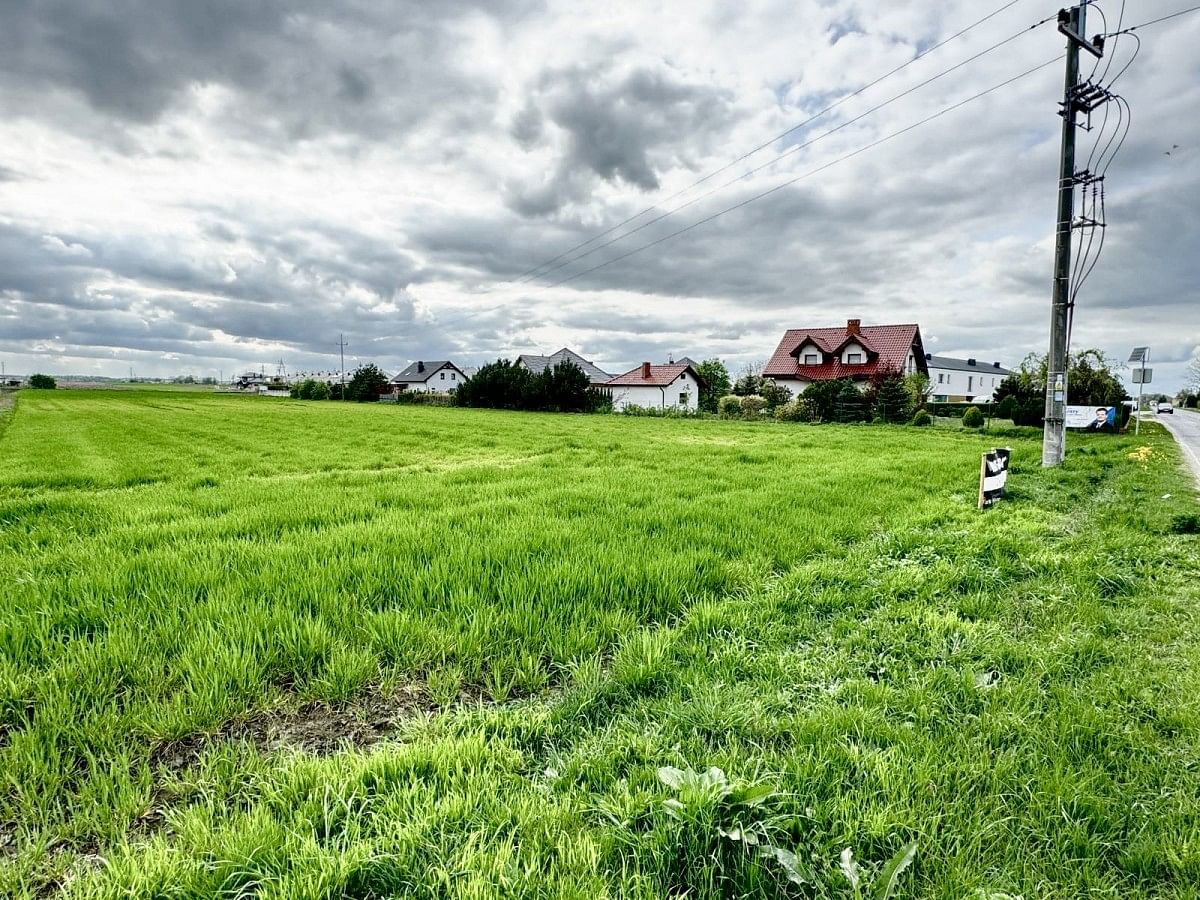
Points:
[(211, 184)]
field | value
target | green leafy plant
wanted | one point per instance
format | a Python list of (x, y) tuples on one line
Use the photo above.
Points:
[(42, 382), (707, 799), (972, 418), (921, 419), (880, 884)]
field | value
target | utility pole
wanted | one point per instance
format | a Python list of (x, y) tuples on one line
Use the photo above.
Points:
[(1054, 438), (342, 348)]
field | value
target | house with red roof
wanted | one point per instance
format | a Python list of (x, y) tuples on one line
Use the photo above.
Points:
[(671, 386), (853, 351)]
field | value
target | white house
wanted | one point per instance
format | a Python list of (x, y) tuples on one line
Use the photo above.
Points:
[(672, 386), (856, 352), (963, 380), (438, 376)]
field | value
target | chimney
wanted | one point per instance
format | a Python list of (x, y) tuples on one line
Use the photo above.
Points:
[(852, 326), (646, 370), (996, 365), (420, 366), (970, 362)]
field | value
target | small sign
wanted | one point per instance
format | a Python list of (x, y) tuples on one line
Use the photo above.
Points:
[(1143, 376), (1092, 418), (993, 476)]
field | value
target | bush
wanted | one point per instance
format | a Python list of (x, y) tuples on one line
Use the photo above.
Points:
[(753, 405), (972, 418), (729, 406), (309, 389), (921, 419), (42, 382), (654, 412), (505, 385), (423, 398), (1029, 412), (774, 393), (798, 410), (1004, 409)]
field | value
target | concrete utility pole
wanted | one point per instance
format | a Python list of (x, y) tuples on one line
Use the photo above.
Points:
[(1054, 438), (342, 348)]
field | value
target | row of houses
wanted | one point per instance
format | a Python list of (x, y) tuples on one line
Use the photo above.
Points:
[(803, 356)]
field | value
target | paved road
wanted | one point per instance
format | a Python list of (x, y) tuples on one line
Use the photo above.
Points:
[(1185, 426)]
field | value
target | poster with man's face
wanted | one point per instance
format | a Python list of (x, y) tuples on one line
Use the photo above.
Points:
[(1092, 418)]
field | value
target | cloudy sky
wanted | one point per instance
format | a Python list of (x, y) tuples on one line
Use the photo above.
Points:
[(194, 187)]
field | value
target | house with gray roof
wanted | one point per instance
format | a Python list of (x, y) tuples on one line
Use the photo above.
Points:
[(536, 364), (968, 380), (430, 376)]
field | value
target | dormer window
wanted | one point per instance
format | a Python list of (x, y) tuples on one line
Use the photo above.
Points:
[(854, 359), (812, 359)]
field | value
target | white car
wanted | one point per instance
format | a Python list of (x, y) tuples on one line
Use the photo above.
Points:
[(1164, 408)]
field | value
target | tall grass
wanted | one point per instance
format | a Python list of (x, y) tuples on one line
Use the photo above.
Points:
[(566, 605)]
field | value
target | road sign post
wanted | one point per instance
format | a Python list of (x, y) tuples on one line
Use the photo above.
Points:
[(1141, 376)]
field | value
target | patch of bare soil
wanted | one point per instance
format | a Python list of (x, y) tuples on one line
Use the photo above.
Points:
[(316, 727)]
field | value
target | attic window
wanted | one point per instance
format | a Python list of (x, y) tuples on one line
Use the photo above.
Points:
[(854, 359), (812, 359)]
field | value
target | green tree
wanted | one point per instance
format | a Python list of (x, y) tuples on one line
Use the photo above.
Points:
[(892, 403), (715, 377), (773, 392), (367, 383), (822, 398), (563, 388), (42, 382), (498, 385), (851, 405), (918, 389)]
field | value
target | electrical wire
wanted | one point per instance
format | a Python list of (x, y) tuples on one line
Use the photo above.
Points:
[(535, 271), (762, 194), (791, 150), (1132, 28), (1113, 49)]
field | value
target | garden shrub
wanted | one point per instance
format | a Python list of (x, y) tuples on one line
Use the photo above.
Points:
[(798, 410), (753, 405), (921, 419), (729, 406), (972, 418)]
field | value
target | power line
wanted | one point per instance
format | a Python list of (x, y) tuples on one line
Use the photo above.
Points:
[(798, 178), (536, 269), (1132, 28), (794, 149)]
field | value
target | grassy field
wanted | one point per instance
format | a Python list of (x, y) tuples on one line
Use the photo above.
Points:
[(265, 648)]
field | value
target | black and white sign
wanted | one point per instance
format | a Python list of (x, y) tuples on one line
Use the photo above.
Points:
[(993, 476)]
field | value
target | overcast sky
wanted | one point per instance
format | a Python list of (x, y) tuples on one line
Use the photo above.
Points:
[(190, 186)]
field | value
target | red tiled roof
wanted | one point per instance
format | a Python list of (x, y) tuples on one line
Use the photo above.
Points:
[(887, 347), (660, 376)]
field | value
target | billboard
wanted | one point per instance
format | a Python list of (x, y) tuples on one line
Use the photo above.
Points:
[(1092, 418)]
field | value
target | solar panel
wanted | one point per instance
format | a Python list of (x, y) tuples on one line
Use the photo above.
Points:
[(1139, 354)]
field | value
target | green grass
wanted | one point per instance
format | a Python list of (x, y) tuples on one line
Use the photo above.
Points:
[(258, 647)]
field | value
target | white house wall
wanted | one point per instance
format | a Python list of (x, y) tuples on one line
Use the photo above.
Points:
[(666, 397), (953, 383)]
